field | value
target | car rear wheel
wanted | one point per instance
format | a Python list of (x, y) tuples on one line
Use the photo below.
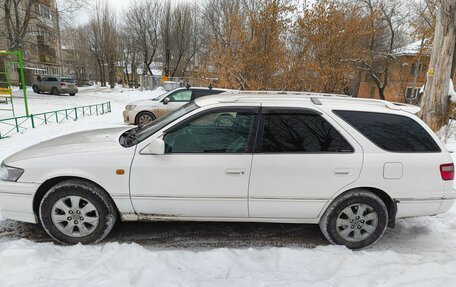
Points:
[(36, 89), (144, 118), (356, 219), (55, 91), (72, 94), (76, 211)]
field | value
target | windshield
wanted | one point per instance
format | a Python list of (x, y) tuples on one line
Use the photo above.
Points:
[(138, 134), (159, 97)]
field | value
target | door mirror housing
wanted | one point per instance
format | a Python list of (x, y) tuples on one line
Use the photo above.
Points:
[(157, 146), (166, 100)]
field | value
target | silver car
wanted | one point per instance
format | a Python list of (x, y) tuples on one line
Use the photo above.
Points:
[(55, 85)]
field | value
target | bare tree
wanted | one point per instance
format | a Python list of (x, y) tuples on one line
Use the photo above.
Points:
[(101, 39), (182, 37), (142, 21), (387, 17), (128, 51), (166, 42)]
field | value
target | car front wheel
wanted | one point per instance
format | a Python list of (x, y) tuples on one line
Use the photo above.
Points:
[(356, 219), (144, 118), (76, 211)]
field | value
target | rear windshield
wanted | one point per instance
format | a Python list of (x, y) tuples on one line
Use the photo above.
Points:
[(68, 80), (390, 132)]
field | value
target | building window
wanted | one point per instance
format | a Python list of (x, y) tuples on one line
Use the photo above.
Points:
[(44, 11), (46, 70), (412, 93), (414, 66), (55, 71)]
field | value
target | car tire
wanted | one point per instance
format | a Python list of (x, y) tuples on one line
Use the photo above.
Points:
[(76, 211), (72, 95), (55, 91), (355, 219), (36, 89), (144, 118)]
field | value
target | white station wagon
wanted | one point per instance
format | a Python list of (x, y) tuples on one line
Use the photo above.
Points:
[(350, 165)]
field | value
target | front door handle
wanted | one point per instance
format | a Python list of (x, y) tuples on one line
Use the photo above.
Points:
[(234, 171)]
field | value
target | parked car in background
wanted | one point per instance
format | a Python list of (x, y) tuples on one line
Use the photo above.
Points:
[(353, 166), (55, 85), (145, 111)]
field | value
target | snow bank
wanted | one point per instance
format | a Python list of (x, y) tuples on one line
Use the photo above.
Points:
[(423, 256)]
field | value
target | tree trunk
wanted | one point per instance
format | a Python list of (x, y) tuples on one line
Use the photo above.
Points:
[(434, 106), (111, 75)]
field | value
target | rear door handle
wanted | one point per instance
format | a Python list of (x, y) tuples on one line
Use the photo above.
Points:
[(234, 171), (343, 171)]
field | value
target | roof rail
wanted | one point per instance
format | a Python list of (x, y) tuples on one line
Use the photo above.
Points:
[(288, 93), (316, 98)]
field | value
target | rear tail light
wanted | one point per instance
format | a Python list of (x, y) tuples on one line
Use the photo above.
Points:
[(62, 84), (447, 171)]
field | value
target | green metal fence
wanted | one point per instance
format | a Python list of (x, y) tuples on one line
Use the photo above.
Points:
[(19, 124)]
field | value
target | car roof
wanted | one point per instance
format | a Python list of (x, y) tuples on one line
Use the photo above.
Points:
[(204, 88), (321, 100)]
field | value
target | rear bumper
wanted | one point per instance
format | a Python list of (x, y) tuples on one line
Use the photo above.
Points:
[(16, 201), (423, 207), (68, 91)]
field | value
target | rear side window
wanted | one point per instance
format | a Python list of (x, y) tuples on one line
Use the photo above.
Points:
[(202, 93), (298, 131), (390, 132), (68, 80)]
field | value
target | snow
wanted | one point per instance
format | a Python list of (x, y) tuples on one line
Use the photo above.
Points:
[(408, 50), (418, 252)]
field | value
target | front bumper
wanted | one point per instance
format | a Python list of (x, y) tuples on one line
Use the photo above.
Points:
[(129, 116), (16, 200)]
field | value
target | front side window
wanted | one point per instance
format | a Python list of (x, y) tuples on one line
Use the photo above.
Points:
[(138, 134), (227, 131), (391, 132), (300, 131), (181, 96)]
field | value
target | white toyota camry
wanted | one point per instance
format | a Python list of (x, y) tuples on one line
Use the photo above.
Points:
[(350, 165)]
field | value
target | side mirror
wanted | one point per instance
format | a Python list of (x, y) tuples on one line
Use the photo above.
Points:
[(166, 101), (157, 146)]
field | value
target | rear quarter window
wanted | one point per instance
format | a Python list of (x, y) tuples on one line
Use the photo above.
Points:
[(201, 93), (390, 132)]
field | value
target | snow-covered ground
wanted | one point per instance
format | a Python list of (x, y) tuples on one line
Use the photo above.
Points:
[(418, 252)]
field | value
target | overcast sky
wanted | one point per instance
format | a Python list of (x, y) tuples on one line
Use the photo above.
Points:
[(83, 15)]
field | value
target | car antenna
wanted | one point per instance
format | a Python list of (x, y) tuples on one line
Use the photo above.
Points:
[(210, 86), (187, 86)]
